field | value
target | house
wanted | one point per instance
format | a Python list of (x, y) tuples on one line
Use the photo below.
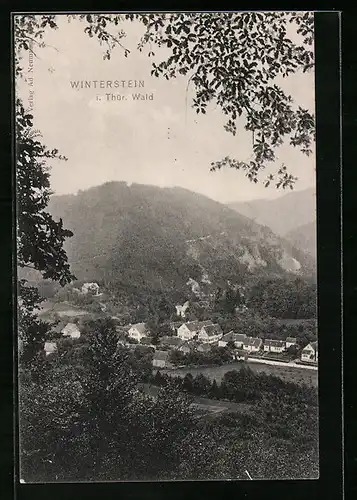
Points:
[(205, 348), (271, 345), (310, 352), (71, 330), (237, 338), (91, 288), (181, 310), (290, 341), (210, 333), (252, 344), (186, 347), (50, 347), (171, 342), (147, 341), (161, 359), (138, 331), (240, 355), (188, 330)]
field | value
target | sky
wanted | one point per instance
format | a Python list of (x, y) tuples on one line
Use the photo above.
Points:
[(161, 141)]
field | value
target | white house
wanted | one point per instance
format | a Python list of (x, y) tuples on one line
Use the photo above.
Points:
[(237, 338), (271, 345), (181, 310), (162, 359), (290, 341), (138, 331), (92, 288), (50, 347), (188, 330), (310, 352), (210, 333), (71, 330), (252, 344)]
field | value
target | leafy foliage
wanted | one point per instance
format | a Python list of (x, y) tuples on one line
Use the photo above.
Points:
[(39, 238), (234, 60)]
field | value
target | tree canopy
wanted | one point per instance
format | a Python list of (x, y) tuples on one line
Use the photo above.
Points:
[(232, 59)]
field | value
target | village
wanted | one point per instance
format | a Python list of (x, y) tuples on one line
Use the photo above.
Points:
[(191, 342)]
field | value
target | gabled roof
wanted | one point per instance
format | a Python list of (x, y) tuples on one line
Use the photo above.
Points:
[(70, 328), (228, 336), (235, 337), (239, 337), (161, 355), (253, 341), (213, 330), (291, 339), (193, 326), (312, 345), (140, 327), (274, 343), (146, 340)]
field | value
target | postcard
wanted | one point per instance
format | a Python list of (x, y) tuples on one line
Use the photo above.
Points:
[(166, 246)]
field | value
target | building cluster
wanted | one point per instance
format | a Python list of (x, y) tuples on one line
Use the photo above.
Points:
[(198, 336), (202, 335)]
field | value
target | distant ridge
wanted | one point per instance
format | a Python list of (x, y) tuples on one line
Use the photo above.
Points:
[(283, 214), (156, 237)]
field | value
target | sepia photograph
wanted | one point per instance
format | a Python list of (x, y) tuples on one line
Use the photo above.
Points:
[(166, 252)]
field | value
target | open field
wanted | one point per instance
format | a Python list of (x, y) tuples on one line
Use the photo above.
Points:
[(206, 405), (49, 308), (289, 374)]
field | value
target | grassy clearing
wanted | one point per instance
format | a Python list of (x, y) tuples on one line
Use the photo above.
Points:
[(286, 373)]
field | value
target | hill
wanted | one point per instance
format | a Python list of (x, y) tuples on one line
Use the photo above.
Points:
[(158, 238), (304, 238), (283, 214)]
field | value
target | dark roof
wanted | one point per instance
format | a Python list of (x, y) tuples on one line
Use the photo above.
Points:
[(290, 339), (274, 343), (146, 340), (161, 355), (143, 348), (313, 346), (254, 341), (228, 336), (235, 337), (193, 326), (212, 330)]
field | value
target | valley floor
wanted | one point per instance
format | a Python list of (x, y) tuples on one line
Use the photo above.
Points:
[(296, 374)]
